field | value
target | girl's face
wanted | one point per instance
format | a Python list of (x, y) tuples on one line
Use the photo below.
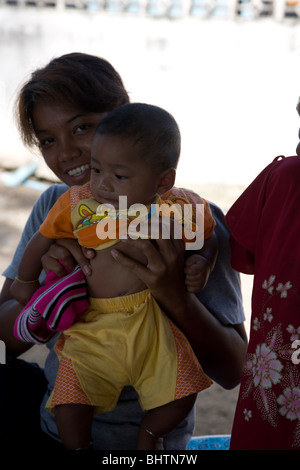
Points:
[(65, 135)]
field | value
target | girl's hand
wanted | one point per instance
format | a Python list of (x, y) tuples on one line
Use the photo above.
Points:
[(163, 273), (71, 254)]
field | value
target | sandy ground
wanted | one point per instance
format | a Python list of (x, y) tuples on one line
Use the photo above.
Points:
[(215, 406)]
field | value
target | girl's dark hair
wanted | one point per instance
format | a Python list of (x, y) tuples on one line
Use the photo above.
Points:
[(88, 82), (152, 129)]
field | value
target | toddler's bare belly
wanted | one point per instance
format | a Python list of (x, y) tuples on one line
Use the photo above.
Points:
[(109, 278)]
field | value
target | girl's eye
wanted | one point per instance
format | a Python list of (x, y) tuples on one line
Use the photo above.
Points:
[(81, 128), (45, 142), (95, 170), (120, 177)]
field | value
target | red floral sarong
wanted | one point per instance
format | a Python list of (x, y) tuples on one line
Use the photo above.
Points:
[(265, 228)]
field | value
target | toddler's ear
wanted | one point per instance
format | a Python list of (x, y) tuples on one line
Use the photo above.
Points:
[(167, 180)]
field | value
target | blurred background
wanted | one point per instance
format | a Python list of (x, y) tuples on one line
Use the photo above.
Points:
[(228, 70)]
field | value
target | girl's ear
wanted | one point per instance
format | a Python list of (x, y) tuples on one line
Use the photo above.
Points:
[(166, 180)]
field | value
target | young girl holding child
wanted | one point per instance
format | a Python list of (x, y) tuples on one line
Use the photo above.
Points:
[(123, 338)]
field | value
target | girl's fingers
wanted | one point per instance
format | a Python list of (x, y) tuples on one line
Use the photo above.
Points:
[(70, 253), (163, 269), (141, 271)]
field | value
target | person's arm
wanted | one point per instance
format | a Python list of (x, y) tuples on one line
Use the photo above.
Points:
[(219, 348), (30, 267), (66, 250), (9, 307), (9, 311)]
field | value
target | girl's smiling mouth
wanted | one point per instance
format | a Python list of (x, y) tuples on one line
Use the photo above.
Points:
[(79, 174), (78, 171)]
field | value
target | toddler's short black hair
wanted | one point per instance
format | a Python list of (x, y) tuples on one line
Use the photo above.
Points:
[(151, 128)]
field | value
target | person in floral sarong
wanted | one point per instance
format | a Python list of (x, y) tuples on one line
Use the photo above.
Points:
[(265, 241)]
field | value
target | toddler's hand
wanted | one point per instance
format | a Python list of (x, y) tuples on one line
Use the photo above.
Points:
[(197, 270)]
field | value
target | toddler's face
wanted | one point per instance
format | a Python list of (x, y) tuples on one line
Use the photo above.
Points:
[(118, 170)]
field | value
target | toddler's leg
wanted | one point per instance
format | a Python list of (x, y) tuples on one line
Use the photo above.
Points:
[(159, 421), (74, 423)]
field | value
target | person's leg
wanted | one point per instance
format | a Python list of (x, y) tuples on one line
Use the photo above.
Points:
[(74, 424), (159, 421)]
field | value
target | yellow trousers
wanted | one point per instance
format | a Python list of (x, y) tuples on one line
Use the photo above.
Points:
[(125, 341)]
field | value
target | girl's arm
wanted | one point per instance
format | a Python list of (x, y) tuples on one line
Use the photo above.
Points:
[(30, 267), (10, 308), (15, 294)]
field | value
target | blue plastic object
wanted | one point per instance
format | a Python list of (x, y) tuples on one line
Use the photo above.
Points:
[(21, 174), (215, 442)]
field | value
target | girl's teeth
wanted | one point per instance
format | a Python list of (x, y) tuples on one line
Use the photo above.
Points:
[(79, 170)]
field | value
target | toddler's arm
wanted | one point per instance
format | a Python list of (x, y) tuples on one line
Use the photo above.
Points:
[(30, 267), (199, 264)]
